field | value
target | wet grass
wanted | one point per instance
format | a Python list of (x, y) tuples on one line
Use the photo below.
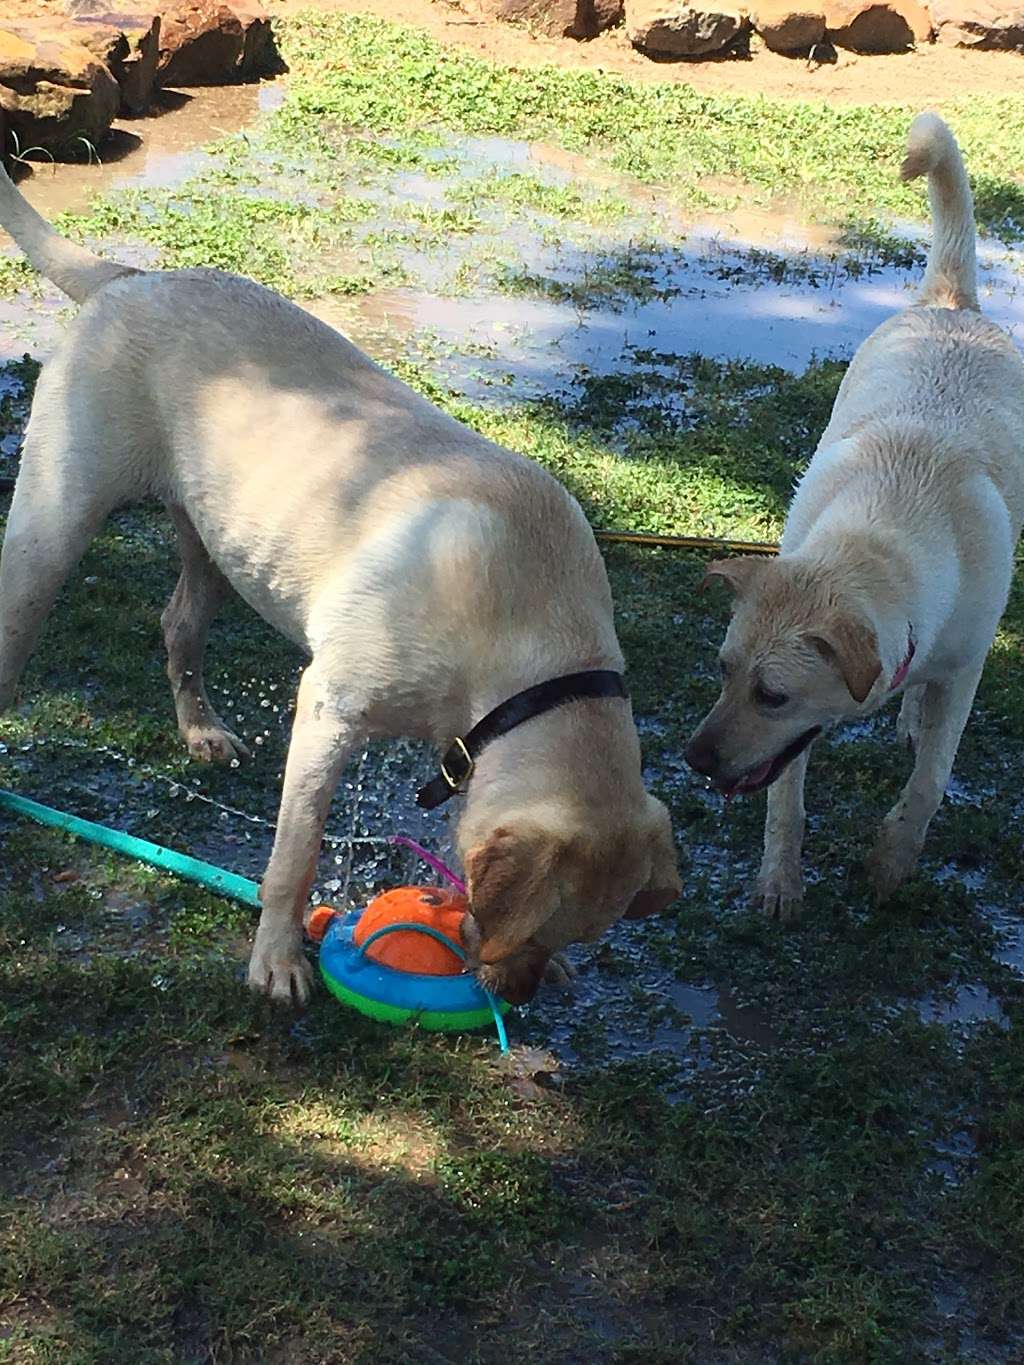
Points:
[(186, 1176), (841, 159)]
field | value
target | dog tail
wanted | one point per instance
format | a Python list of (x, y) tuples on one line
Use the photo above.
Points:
[(71, 268), (950, 281)]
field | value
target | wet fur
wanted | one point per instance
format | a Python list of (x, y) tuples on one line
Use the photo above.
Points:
[(903, 526), (427, 573)]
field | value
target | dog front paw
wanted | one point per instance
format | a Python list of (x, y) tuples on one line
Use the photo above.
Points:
[(892, 860), (779, 891), (558, 970), (280, 970), (909, 720)]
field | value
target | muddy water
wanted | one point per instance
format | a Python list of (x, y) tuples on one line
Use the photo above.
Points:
[(164, 148), (713, 297)]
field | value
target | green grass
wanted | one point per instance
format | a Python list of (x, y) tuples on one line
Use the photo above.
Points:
[(521, 190), (186, 1175), (842, 159)]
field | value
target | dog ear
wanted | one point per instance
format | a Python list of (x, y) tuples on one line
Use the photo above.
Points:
[(663, 885), (851, 645), (736, 574), (510, 880)]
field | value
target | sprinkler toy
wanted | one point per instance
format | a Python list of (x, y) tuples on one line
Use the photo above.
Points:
[(400, 959)]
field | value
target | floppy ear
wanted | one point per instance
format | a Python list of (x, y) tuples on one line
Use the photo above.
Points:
[(851, 645), (736, 574), (663, 885), (511, 886)]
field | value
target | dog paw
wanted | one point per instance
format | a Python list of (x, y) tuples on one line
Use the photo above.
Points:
[(215, 744), (779, 892), (891, 862), (908, 722), (281, 972), (559, 971)]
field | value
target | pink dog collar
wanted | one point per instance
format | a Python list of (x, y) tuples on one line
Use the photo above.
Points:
[(900, 676)]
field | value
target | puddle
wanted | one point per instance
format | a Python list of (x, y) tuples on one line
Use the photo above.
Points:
[(525, 303), (542, 342), (971, 879), (165, 148), (953, 1157), (1009, 928), (718, 1008), (717, 296), (971, 1004)]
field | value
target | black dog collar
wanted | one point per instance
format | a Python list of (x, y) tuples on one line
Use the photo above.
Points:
[(460, 759)]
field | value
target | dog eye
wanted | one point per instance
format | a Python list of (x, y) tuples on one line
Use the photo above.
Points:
[(773, 699)]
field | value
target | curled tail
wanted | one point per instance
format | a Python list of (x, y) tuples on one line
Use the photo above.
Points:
[(71, 268), (950, 281)]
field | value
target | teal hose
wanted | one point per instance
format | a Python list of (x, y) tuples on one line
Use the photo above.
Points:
[(166, 859), (195, 870)]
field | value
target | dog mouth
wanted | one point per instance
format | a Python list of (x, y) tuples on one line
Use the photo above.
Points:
[(764, 774)]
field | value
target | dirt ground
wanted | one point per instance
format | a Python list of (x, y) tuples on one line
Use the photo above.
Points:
[(920, 78)]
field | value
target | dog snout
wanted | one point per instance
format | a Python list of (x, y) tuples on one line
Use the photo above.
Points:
[(702, 755)]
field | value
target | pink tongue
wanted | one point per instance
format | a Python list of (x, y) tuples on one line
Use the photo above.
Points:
[(757, 775)]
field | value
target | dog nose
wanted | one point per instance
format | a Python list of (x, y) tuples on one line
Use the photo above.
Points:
[(702, 756)]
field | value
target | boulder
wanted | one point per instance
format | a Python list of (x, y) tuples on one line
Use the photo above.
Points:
[(129, 47), (608, 13), (877, 25), (668, 28), (54, 92), (215, 42), (788, 25), (556, 18), (978, 23)]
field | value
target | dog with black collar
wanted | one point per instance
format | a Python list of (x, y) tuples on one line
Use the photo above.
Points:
[(431, 576)]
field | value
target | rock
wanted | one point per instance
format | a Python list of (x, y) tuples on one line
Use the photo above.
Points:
[(788, 25), (556, 18), (215, 42), (977, 23), (877, 25), (54, 92), (129, 46), (668, 28), (608, 13)]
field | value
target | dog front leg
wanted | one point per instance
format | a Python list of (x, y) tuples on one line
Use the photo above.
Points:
[(322, 738), (779, 888), (944, 711)]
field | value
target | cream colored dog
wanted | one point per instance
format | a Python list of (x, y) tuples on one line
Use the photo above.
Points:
[(896, 559), (428, 574)]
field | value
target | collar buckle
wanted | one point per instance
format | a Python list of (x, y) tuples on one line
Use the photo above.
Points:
[(459, 759)]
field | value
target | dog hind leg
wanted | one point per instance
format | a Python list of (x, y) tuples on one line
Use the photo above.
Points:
[(52, 520), (186, 622)]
